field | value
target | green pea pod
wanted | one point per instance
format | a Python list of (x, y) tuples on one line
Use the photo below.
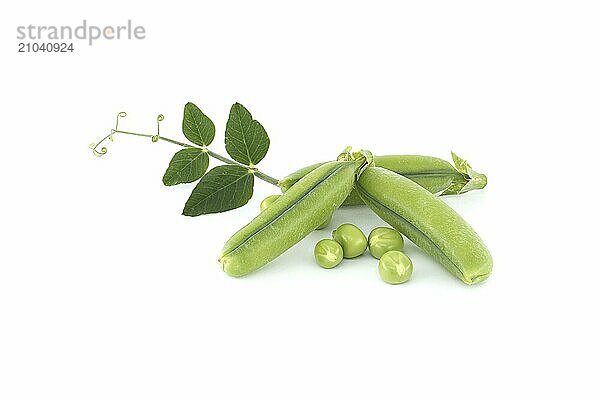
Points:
[(353, 199), (432, 173), (427, 221), (294, 177), (293, 216)]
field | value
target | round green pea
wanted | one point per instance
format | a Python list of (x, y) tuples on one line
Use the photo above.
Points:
[(383, 239), (395, 267), (328, 253), (352, 240), (267, 201)]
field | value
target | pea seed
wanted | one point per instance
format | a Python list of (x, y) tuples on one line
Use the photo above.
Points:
[(352, 240), (328, 253), (395, 267), (383, 239)]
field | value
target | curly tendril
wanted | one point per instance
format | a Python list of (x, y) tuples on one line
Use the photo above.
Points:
[(121, 114), (103, 150), (159, 118)]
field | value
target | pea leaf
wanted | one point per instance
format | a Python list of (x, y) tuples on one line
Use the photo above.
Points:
[(246, 140), (197, 127), (223, 188), (187, 165)]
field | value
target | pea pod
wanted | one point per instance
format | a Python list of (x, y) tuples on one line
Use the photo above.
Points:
[(292, 217), (295, 176), (432, 173), (427, 221)]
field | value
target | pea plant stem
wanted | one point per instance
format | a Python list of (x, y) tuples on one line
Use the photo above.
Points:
[(256, 172)]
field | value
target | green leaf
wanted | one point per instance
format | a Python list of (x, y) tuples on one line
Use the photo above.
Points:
[(187, 165), (246, 140), (223, 188), (197, 127)]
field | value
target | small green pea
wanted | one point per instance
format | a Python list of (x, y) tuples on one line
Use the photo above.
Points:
[(326, 223), (383, 239), (395, 267), (267, 201), (352, 239), (328, 253)]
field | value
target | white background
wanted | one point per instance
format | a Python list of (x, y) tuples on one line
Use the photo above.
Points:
[(106, 291)]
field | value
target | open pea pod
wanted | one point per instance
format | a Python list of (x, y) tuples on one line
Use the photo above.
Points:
[(427, 221), (299, 211), (436, 175)]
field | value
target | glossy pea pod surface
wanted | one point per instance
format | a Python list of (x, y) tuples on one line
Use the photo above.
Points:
[(293, 216), (427, 221), (432, 173)]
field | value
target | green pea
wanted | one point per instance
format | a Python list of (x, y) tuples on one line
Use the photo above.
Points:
[(395, 267), (383, 239), (352, 239), (267, 201), (328, 253)]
